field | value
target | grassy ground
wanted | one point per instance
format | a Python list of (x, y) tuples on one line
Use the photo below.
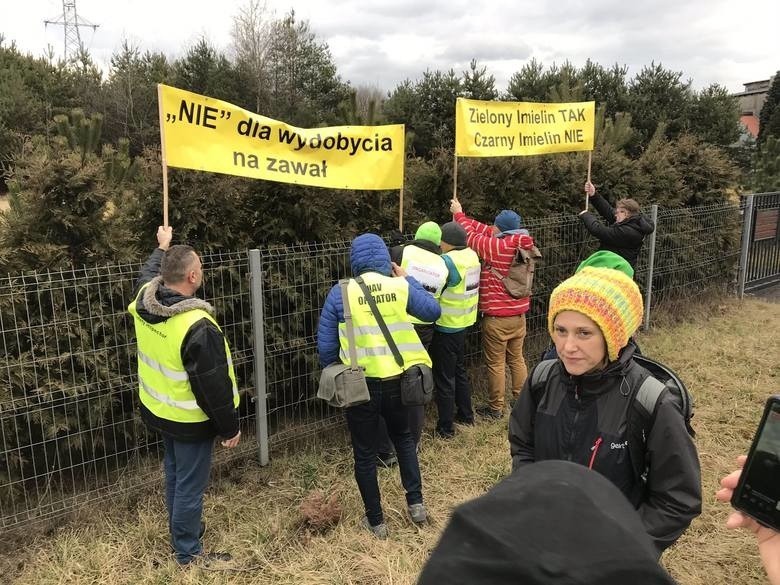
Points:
[(728, 357)]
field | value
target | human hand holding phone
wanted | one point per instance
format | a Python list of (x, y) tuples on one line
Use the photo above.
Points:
[(754, 490)]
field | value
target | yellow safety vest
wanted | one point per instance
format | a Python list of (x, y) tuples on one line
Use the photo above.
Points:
[(373, 353), (428, 269), (163, 384), (459, 303)]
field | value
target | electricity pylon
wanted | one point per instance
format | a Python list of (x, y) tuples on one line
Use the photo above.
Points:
[(71, 22)]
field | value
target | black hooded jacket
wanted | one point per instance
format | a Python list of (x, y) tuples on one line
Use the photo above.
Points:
[(205, 360), (584, 419), (624, 238)]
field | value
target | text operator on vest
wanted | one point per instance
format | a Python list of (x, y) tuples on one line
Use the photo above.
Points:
[(379, 296)]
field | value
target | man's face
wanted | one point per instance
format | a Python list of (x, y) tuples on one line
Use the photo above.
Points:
[(195, 276), (621, 214)]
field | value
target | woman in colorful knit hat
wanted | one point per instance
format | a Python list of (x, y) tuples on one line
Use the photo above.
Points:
[(585, 406)]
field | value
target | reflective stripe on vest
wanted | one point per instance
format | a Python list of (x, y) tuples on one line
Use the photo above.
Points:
[(373, 353), (163, 383), (459, 303), (428, 269)]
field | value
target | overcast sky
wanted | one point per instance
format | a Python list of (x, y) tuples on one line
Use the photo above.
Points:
[(380, 43)]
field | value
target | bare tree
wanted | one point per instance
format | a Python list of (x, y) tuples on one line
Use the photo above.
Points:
[(251, 38)]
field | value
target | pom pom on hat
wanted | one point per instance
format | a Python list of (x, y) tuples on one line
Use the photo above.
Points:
[(608, 297), (430, 231)]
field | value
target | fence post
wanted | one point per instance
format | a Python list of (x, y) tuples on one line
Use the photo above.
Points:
[(650, 266), (258, 339), (747, 228)]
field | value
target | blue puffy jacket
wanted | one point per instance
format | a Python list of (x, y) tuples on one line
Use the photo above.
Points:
[(367, 254)]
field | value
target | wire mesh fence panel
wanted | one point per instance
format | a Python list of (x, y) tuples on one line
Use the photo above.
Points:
[(296, 281), (697, 251)]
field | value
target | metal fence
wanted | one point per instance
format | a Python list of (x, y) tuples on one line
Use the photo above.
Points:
[(68, 402)]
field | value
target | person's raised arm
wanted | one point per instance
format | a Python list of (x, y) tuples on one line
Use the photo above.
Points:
[(151, 267), (471, 225)]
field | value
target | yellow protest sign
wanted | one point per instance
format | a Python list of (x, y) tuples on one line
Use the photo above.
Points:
[(522, 128), (206, 134)]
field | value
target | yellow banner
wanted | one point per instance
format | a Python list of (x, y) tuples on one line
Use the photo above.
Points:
[(206, 134), (522, 128)]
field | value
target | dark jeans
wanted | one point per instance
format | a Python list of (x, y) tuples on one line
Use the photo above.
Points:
[(187, 467), (453, 393), (362, 421), (416, 413)]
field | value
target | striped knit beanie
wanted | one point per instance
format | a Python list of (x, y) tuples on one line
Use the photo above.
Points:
[(609, 297)]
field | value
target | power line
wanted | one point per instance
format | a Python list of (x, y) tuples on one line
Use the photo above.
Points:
[(71, 22)]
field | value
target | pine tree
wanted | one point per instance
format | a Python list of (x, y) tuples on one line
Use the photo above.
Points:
[(766, 166), (769, 119)]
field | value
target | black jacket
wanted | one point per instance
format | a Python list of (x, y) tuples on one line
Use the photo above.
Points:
[(205, 360), (583, 419), (624, 238)]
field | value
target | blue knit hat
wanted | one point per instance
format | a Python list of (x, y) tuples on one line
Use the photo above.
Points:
[(508, 220)]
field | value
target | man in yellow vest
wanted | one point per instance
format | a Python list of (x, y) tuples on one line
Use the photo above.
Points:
[(396, 299), (458, 304), (186, 384), (420, 258)]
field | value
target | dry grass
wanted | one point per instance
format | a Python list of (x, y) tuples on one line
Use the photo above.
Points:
[(728, 356)]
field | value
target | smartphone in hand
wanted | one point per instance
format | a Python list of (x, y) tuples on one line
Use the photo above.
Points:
[(758, 491)]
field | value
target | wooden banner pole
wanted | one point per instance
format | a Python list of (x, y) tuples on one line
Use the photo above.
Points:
[(590, 159), (401, 211), (163, 157), (455, 178)]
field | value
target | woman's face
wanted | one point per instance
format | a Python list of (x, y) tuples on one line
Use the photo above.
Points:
[(579, 343)]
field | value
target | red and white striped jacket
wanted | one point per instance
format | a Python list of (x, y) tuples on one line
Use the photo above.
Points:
[(498, 253)]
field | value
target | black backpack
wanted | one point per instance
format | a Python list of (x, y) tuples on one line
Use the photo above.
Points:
[(644, 401)]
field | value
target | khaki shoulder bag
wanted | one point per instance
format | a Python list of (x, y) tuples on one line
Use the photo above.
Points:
[(342, 385)]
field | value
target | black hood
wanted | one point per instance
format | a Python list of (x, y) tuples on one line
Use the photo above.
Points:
[(642, 223), (549, 522)]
